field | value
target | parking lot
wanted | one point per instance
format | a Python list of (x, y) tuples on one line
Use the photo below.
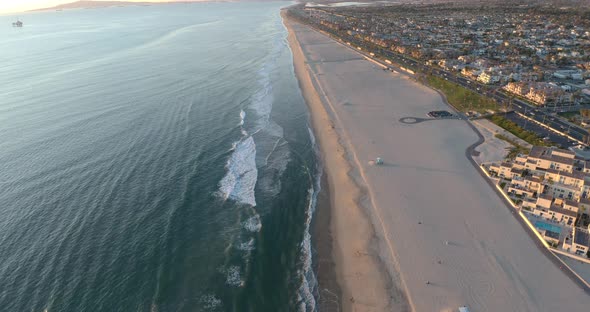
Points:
[(541, 131)]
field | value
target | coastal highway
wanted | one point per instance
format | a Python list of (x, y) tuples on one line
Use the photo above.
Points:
[(549, 125)]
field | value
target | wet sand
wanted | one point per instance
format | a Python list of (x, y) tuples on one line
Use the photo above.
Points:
[(423, 232), (328, 291)]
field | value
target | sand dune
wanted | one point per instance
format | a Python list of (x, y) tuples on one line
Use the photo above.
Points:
[(426, 214)]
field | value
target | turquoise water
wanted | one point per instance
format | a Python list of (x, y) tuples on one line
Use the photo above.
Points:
[(154, 158), (548, 227)]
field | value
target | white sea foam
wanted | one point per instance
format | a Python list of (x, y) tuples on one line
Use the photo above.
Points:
[(247, 246), (275, 163), (209, 302), (272, 151), (239, 181), (242, 117), (252, 224), (262, 102), (311, 136), (305, 294), (233, 277), (273, 129)]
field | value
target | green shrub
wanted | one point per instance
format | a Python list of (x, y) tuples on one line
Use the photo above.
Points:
[(460, 97), (527, 136)]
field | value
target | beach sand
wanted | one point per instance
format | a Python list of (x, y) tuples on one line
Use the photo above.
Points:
[(426, 214)]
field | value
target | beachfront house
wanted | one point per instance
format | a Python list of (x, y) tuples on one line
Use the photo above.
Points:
[(527, 186), (548, 182), (551, 158), (553, 209), (579, 242)]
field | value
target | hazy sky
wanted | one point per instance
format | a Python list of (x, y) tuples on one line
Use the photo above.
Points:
[(7, 6)]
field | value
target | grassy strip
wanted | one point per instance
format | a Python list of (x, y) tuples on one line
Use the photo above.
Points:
[(527, 136), (516, 149), (461, 98), (571, 116)]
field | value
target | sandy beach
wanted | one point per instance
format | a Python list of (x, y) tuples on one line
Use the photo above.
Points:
[(424, 231)]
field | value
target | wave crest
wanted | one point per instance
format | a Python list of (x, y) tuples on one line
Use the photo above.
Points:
[(233, 277), (253, 224), (240, 180)]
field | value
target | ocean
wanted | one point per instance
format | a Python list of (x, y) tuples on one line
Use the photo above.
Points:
[(154, 158)]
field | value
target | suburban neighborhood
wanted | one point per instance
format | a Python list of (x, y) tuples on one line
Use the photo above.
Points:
[(541, 55)]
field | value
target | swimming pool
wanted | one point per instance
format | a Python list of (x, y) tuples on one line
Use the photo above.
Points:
[(547, 226)]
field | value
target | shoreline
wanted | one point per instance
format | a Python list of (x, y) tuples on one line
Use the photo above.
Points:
[(354, 267), (328, 291)]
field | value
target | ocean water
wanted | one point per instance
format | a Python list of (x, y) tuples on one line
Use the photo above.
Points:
[(154, 158)]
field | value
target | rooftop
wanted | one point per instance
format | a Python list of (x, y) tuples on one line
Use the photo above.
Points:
[(551, 234), (517, 171), (563, 211), (545, 196), (571, 203), (581, 237), (575, 174), (533, 179), (560, 159), (547, 153), (538, 151)]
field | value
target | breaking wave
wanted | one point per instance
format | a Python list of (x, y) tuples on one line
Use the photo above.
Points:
[(242, 173), (305, 294), (209, 302), (262, 103), (240, 180), (253, 224), (234, 277), (242, 117), (262, 100), (247, 246)]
